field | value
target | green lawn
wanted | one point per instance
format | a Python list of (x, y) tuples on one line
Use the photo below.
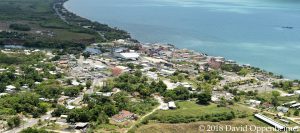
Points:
[(189, 108), (268, 96), (189, 111)]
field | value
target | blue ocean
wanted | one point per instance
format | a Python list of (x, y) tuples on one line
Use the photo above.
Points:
[(263, 33)]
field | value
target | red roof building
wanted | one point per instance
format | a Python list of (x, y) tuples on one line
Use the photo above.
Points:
[(123, 116)]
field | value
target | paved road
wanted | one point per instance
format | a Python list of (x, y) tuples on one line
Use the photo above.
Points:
[(29, 123), (59, 15)]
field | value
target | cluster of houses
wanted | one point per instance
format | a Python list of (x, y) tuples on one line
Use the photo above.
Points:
[(157, 60), (168, 105)]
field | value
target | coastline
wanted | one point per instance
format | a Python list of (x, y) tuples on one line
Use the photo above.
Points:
[(266, 71)]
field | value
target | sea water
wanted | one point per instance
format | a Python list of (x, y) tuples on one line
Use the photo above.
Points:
[(263, 33)]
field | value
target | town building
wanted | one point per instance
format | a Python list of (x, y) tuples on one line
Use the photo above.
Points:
[(123, 116), (172, 105), (282, 109), (270, 121)]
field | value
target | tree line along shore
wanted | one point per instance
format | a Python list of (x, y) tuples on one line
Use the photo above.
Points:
[(47, 24)]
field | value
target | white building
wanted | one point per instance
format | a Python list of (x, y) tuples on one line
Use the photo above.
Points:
[(128, 56), (10, 88), (74, 82), (3, 94), (297, 92), (171, 105), (270, 121), (99, 67), (152, 75), (167, 72), (254, 102)]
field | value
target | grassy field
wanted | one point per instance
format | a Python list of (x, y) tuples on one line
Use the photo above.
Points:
[(192, 109), (189, 109), (40, 16), (281, 99)]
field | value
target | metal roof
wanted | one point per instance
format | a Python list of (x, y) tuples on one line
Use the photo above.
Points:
[(270, 121)]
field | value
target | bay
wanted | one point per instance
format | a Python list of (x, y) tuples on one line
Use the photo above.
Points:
[(263, 33)]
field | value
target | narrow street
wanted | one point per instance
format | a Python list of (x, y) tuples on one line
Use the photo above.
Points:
[(160, 101), (29, 123)]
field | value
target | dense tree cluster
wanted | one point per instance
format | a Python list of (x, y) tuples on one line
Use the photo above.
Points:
[(12, 35), (204, 98), (285, 85), (49, 89), (20, 27), (14, 121), (178, 93), (210, 77), (214, 117), (231, 67), (179, 76), (100, 108), (27, 103), (72, 91), (136, 82), (15, 59), (34, 130)]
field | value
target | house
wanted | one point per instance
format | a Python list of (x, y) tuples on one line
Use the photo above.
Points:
[(187, 85), (3, 94), (152, 75), (106, 94), (297, 92), (172, 105), (218, 95), (215, 62), (99, 67), (10, 88), (70, 107), (267, 105), (285, 121), (167, 72), (270, 121), (81, 125), (92, 51), (116, 90), (295, 84), (63, 116), (123, 116), (74, 82), (282, 109), (254, 102), (289, 103), (127, 55), (164, 106), (135, 94), (295, 105), (44, 99)]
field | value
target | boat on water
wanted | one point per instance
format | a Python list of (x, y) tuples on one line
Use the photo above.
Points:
[(287, 27)]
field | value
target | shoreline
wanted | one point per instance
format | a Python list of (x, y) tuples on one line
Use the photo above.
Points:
[(145, 43)]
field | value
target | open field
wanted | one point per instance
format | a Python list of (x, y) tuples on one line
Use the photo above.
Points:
[(40, 17), (194, 112), (161, 119)]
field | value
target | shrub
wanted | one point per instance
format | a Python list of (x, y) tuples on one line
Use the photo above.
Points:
[(20, 27)]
